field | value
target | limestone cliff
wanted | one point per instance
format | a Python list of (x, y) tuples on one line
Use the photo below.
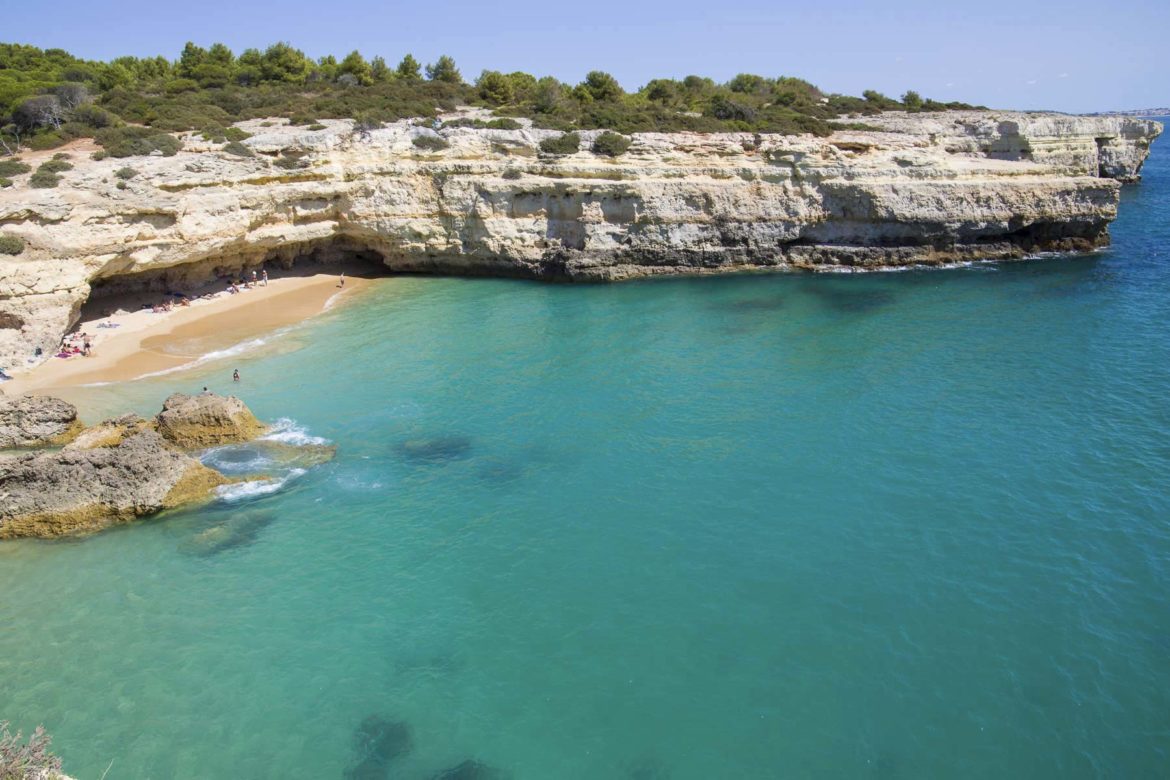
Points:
[(923, 188)]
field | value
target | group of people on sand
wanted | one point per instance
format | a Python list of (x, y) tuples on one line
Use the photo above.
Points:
[(75, 344), (234, 286)]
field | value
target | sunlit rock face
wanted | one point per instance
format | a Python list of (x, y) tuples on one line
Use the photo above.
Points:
[(908, 188)]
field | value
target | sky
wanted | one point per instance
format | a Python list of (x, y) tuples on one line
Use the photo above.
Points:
[(1064, 55)]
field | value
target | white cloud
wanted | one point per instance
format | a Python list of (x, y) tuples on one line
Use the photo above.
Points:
[(1063, 76), (1030, 82)]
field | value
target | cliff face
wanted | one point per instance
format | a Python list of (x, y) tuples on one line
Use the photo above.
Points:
[(925, 188)]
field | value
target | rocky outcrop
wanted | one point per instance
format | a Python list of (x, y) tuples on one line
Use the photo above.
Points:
[(206, 420), (37, 420), (921, 188), (76, 490)]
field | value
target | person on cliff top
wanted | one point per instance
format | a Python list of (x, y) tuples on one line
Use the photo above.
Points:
[(236, 375)]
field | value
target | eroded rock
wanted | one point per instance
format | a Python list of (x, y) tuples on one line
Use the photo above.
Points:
[(70, 491), (206, 420), (37, 420)]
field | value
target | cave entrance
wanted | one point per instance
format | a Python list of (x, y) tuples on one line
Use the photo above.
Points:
[(130, 291)]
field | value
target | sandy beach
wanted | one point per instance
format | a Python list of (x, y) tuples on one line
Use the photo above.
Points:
[(129, 342)]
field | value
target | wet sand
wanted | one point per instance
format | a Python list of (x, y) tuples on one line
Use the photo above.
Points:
[(146, 343)]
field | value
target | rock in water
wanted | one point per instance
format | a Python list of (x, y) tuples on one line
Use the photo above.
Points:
[(206, 420), (469, 770), (36, 420), (377, 742), (74, 490)]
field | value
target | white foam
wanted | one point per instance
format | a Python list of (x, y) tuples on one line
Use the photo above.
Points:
[(255, 488), (288, 431)]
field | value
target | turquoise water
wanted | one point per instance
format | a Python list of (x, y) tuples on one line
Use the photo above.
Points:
[(893, 525)]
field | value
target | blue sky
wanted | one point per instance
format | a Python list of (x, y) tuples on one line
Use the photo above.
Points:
[(1070, 56)]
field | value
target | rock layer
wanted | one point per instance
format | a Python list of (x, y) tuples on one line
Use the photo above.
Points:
[(921, 188)]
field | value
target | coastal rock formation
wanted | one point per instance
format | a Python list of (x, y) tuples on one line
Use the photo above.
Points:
[(74, 490), (206, 420), (898, 189), (37, 420)]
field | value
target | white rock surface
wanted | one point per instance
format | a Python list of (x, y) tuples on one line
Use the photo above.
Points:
[(926, 188)]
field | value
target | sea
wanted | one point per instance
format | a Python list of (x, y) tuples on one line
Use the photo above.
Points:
[(885, 525)]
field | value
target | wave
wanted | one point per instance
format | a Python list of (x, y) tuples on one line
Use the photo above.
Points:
[(256, 487), (289, 431)]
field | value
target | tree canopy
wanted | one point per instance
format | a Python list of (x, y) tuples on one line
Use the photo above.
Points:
[(48, 96)]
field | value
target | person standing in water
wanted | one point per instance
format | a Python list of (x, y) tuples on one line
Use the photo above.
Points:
[(236, 375)]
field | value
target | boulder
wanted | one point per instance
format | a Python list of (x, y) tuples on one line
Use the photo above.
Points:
[(36, 420), (75, 490), (206, 420)]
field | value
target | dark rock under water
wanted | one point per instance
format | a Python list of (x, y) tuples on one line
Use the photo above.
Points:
[(239, 529), (469, 770), (435, 449), (377, 742)]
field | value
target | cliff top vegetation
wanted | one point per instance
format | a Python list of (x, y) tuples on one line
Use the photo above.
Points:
[(48, 96)]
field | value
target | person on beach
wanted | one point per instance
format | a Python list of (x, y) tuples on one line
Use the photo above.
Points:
[(264, 276), (342, 282), (253, 277), (235, 375)]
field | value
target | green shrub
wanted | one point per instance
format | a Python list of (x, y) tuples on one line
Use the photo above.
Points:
[(13, 167), (503, 123), (55, 165), (611, 144), (99, 155), (236, 134), (5, 182), (301, 119), (513, 174), (11, 245), (121, 185), (562, 144), (19, 759), (42, 141), (238, 149), (42, 180), (133, 141), (291, 162), (316, 126), (126, 173), (432, 143)]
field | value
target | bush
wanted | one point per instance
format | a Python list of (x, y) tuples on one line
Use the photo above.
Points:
[(316, 126), (13, 167), (5, 182), (20, 760), (56, 165), (99, 155), (431, 143), (504, 123), (238, 149), (126, 173), (562, 144), (121, 185), (136, 141), (236, 134), (11, 245), (291, 162), (611, 144), (42, 180), (512, 173)]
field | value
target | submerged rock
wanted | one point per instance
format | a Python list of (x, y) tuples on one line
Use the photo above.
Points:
[(469, 770), (240, 530), (37, 420), (206, 420), (435, 449), (377, 742), (75, 490)]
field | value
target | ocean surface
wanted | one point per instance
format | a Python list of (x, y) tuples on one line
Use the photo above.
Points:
[(897, 525)]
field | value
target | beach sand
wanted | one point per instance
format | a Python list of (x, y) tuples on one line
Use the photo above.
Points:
[(146, 343)]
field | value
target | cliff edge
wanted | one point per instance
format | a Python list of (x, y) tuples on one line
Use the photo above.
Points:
[(901, 189)]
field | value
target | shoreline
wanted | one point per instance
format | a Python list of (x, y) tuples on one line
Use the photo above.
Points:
[(142, 343)]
